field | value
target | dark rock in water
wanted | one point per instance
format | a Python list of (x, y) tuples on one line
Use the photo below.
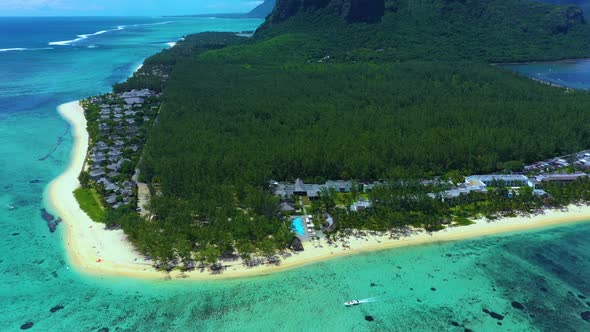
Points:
[(369, 318), (582, 297), (26, 326), (46, 215), (374, 284), (543, 289), (50, 219), (454, 323), (585, 316), (53, 224), (467, 330), (499, 323), (56, 308), (54, 274), (432, 289), (15, 234), (35, 181), (517, 305), (418, 300), (104, 329), (494, 315), (296, 244)]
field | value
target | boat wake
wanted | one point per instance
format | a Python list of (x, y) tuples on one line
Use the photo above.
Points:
[(353, 303), (369, 300)]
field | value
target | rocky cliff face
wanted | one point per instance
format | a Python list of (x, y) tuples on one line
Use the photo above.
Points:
[(363, 10), (350, 10), (263, 10), (568, 18)]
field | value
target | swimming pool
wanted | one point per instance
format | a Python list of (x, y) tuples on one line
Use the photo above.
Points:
[(297, 226)]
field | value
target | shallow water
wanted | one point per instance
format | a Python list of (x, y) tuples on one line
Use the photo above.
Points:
[(426, 288), (572, 73)]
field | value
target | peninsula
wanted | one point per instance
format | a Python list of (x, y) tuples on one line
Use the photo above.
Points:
[(314, 140)]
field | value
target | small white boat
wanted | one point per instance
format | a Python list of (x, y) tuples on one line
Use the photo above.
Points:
[(10, 207), (352, 303)]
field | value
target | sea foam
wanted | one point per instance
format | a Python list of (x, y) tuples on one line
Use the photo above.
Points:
[(82, 37), (86, 36), (20, 49), (12, 49)]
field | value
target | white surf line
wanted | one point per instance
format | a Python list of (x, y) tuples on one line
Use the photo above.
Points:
[(21, 49), (86, 36)]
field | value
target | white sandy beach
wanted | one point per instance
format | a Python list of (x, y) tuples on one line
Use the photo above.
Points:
[(92, 249)]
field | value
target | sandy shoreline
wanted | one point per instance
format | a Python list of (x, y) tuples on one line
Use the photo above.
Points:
[(87, 242)]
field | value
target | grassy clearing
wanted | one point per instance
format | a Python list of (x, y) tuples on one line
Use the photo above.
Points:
[(462, 221), (90, 203)]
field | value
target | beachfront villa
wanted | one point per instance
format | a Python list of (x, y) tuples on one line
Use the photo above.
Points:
[(360, 205), (491, 180), (312, 191), (563, 178), (118, 140)]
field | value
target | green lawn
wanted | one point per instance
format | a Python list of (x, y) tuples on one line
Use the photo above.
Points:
[(90, 203), (462, 221)]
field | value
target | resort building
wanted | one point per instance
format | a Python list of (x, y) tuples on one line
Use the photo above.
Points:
[(563, 178), (287, 207), (312, 191), (491, 180), (360, 205)]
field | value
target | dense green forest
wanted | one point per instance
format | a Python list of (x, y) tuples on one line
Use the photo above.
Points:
[(312, 96)]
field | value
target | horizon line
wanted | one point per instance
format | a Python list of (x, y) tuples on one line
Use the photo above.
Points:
[(121, 15)]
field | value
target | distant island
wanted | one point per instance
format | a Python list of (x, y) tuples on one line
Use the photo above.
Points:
[(340, 123)]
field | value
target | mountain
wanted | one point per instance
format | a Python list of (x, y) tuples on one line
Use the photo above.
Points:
[(351, 10), (263, 10)]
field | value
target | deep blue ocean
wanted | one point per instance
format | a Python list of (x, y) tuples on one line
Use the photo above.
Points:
[(443, 287)]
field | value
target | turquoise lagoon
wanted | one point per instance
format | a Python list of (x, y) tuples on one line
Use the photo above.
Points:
[(441, 287), (574, 74)]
